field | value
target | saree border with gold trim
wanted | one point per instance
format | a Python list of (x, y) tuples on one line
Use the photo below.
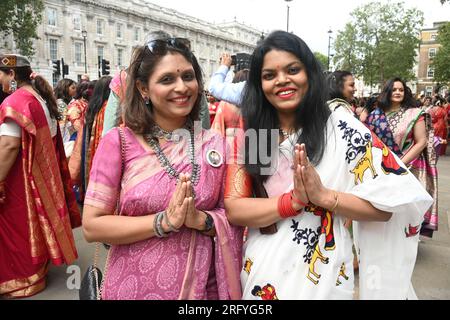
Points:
[(51, 206)]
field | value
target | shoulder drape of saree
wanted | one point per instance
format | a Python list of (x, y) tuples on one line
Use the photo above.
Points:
[(424, 169), (118, 84), (51, 212), (227, 250)]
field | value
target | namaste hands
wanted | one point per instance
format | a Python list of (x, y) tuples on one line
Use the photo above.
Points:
[(181, 210), (308, 186)]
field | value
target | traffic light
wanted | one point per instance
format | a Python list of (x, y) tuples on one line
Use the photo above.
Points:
[(65, 68), (56, 66), (105, 67)]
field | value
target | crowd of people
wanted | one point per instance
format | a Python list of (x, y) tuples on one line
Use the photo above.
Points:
[(275, 185)]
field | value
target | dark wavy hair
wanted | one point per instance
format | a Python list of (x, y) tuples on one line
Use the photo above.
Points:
[(62, 90), (336, 82), (99, 96), (311, 115), (138, 117), (40, 85), (84, 90), (384, 101)]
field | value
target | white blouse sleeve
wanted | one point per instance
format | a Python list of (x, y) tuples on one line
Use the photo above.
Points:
[(10, 128)]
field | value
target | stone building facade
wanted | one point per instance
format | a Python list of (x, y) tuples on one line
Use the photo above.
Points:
[(427, 50), (114, 27)]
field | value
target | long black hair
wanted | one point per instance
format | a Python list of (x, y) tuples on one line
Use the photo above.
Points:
[(99, 96), (384, 101), (311, 115)]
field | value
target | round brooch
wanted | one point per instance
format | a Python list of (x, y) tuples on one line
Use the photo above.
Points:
[(214, 158)]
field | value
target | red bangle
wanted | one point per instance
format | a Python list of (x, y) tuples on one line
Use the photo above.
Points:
[(285, 208), (297, 200)]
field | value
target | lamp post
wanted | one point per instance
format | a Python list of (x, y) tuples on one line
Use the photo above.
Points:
[(287, 18), (84, 34), (329, 45)]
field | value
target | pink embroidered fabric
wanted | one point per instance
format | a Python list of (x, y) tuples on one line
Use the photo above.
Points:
[(187, 264)]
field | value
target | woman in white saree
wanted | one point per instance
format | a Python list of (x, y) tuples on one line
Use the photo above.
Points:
[(326, 168)]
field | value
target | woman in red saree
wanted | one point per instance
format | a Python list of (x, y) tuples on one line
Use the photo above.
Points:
[(37, 207), (439, 119)]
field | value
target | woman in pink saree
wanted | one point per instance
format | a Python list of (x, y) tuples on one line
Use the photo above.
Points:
[(171, 238)]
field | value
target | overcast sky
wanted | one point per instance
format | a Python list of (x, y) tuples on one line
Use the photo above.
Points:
[(309, 19)]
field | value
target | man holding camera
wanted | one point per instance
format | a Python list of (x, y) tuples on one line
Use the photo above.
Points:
[(230, 92)]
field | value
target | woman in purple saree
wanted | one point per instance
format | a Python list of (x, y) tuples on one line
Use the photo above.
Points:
[(171, 238)]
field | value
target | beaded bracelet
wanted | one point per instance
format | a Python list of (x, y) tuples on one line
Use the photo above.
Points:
[(171, 227)]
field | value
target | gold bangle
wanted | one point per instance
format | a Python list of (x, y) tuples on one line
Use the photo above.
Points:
[(336, 203)]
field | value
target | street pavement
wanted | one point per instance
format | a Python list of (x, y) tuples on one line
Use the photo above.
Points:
[(431, 277)]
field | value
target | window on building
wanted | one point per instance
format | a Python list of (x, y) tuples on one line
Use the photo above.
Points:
[(119, 57), (100, 26), (53, 45), (51, 17), (433, 36), (430, 72), (77, 22), (119, 29), (428, 91), (137, 34), (78, 53), (431, 52)]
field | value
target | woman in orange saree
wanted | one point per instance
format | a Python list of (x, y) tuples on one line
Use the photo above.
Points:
[(93, 128), (37, 207)]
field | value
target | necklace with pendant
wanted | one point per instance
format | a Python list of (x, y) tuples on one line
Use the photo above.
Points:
[(165, 163), (160, 133)]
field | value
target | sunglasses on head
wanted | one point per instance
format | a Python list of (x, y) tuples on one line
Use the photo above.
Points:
[(160, 46)]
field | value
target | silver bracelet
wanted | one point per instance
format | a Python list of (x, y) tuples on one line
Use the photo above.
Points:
[(171, 227), (154, 226), (161, 233)]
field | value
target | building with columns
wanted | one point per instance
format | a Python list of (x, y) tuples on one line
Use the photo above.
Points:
[(114, 27)]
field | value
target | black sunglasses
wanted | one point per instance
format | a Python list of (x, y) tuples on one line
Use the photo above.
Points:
[(159, 46)]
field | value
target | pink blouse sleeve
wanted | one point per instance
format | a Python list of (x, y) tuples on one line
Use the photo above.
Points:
[(104, 179)]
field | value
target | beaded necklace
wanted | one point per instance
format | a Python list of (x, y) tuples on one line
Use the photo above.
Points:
[(165, 163)]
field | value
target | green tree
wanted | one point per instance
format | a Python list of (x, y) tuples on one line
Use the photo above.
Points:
[(21, 18), (441, 61), (323, 59), (380, 42)]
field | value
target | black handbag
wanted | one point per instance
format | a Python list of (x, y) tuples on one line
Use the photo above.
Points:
[(92, 282)]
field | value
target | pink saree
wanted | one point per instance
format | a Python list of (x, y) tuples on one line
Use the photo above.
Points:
[(187, 264)]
